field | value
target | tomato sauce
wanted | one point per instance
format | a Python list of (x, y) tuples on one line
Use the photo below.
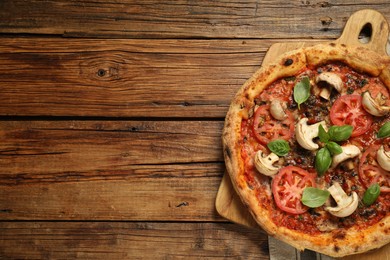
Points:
[(316, 109)]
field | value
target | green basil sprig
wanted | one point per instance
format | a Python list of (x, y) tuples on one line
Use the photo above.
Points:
[(371, 194), (280, 147), (313, 197), (335, 134), (302, 91), (323, 161), (340, 133), (334, 148), (322, 134), (384, 131)]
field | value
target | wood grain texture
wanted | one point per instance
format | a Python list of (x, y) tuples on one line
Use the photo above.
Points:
[(157, 199), (123, 78), (182, 19), (134, 240), (110, 170), (50, 146)]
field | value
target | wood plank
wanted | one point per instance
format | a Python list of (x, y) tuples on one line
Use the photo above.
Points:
[(95, 146), (44, 44), (182, 19), (109, 170), (115, 78), (183, 198), (123, 240)]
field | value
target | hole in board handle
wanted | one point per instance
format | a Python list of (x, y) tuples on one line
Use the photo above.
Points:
[(365, 33)]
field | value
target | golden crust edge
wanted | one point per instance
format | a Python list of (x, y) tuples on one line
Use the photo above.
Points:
[(335, 244), (357, 57), (312, 56)]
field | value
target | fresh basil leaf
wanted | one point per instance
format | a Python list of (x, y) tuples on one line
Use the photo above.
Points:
[(323, 135), (371, 194), (280, 147), (384, 131), (313, 197), (323, 161), (334, 148), (302, 91), (340, 133)]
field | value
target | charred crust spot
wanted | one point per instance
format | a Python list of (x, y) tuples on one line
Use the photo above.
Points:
[(332, 44), (343, 45), (228, 152), (288, 62), (336, 248), (356, 248), (386, 231), (339, 235)]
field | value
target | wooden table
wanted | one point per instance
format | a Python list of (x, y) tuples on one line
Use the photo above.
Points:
[(111, 116)]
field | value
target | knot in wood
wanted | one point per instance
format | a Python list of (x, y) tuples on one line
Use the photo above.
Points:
[(102, 68), (326, 20)]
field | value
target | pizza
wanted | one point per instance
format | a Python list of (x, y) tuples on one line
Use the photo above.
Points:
[(306, 143)]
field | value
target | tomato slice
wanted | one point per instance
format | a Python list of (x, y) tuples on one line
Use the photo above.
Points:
[(266, 128), (370, 172), (348, 110), (288, 186)]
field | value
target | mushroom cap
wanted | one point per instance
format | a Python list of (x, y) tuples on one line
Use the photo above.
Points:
[(306, 133), (383, 158), (349, 151), (265, 164), (346, 205), (331, 79), (347, 210), (374, 106), (277, 111)]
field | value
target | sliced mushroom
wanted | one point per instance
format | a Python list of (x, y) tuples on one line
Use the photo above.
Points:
[(325, 93), (277, 110), (349, 151), (265, 164), (375, 106), (346, 205), (306, 133), (383, 158), (329, 80)]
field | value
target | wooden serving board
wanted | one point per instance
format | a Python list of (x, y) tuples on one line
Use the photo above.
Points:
[(228, 204)]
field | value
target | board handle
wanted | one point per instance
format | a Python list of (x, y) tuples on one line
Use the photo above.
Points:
[(371, 20)]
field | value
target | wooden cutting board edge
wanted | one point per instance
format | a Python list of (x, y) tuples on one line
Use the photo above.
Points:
[(228, 203)]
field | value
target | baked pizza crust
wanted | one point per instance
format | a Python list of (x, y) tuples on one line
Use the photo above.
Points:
[(336, 243)]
